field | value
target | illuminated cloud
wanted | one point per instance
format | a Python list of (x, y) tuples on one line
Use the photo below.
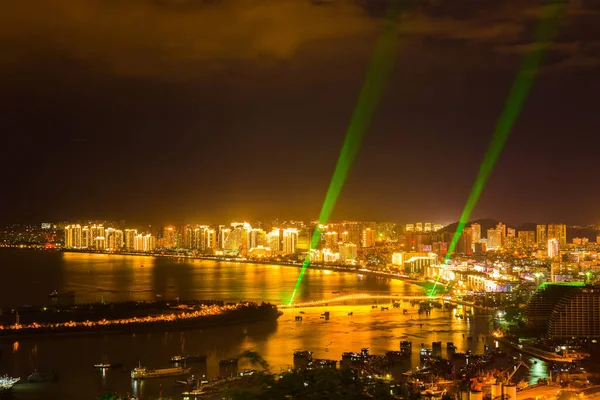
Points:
[(171, 37)]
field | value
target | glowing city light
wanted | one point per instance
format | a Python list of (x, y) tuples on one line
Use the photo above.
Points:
[(545, 32), (381, 67)]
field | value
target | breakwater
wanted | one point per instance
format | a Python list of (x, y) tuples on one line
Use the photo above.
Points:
[(135, 317)]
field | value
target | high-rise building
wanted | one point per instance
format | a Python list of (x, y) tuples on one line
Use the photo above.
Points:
[(465, 241), (409, 228), (541, 236), (169, 238), (290, 240), (437, 227), (476, 232), (559, 232), (502, 229), (494, 239), (427, 227), (257, 237), (274, 240), (331, 241), (73, 236), (129, 236), (348, 252), (113, 239), (211, 239), (145, 243), (419, 227), (368, 238), (87, 242), (553, 248), (526, 239)]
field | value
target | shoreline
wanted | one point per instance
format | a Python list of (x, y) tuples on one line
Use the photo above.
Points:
[(425, 284)]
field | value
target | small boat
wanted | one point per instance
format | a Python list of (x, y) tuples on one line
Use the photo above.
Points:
[(107, 365), (351, 313), (188, 358), (191, 381), (194, 394), (37, 377), (147, 373)]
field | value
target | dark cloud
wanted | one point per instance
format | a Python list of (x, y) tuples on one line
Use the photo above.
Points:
[(218, 108)]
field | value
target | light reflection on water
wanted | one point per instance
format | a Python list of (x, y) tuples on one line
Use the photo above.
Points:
[(116, 278)]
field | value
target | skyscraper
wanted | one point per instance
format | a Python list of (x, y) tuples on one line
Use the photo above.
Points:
[(273, 240), (368, 237), (559, 232), (129, 236), (553, 248), (73, 236), (290, 240), (348, 252), (476, 235), (541, 237)]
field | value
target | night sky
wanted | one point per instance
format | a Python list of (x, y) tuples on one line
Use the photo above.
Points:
[(209, 111)]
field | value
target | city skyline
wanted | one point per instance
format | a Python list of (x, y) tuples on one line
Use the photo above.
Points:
[(171, 124)]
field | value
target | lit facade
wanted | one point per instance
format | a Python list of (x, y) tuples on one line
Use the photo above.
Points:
[(559, 232), (368, 237), (541, 236), (290, 240), (73, 236)]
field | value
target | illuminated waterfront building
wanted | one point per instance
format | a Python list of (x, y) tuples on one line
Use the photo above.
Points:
[(368, 238), (559, 232), (541, 236), (427, 227), (418, 227), (290, 240), (145, 243), (576, 314), (86, 238), (348, 252), (235, 240), (100, 243), (223, 235), (274, 240), (169, 237), (437, 227), (330, 256), (331, 240), (398, 259), (211, 239), (409, 228), (566, 310), (73, 236), (257, 238), (113, 239), (129, 236)]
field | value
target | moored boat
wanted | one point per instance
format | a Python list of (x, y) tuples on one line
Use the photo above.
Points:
[(188, 358), (147, 373), (107, 365), (37, 377), (7, 383)]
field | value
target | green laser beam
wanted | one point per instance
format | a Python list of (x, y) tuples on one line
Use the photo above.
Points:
[(380, 68), (545, 32)]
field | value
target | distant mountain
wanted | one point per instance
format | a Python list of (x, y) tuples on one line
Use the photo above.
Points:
[(486, 223)]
